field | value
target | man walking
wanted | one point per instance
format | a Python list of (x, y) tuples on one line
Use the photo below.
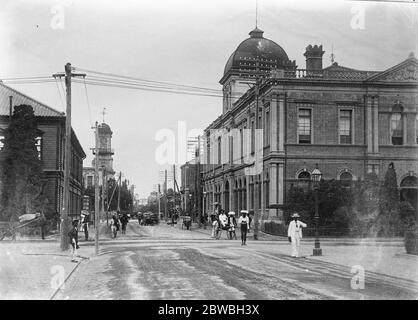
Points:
[(73, 235), (244, 221), (294, 234)]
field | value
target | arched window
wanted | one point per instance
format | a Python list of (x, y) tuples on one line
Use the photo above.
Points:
[(304, 175), (346, 176)]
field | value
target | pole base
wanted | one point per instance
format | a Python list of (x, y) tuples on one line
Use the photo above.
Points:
[(317, 252)]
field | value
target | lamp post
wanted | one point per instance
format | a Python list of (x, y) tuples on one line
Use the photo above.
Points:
[(316, 176)]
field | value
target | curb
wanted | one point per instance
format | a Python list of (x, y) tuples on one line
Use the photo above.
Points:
[(67, 278)]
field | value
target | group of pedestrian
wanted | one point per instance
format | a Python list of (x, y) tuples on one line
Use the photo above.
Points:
[(229, 224), (118, 221)]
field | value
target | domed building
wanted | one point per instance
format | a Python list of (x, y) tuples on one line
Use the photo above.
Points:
[(255, 54), (274, 132)]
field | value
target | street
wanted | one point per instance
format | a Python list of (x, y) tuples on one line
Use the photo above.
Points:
[(164, 262)]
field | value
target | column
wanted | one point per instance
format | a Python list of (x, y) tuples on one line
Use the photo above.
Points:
[(376, 125), (281, 133), (231, 194), (280, 187), (274, 123), (369, 124), (247, 193), (273, 187)]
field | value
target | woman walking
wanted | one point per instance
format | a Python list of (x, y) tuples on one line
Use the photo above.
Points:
[(244, 221)]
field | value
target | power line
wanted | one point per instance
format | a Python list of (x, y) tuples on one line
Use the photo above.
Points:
[(88, 102), (59, 92), (147, 81)]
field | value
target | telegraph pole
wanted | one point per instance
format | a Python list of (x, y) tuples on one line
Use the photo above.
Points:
[(120, 185), (165, 192), (197, 186), (159, 202), (96, 189), (67, 156)]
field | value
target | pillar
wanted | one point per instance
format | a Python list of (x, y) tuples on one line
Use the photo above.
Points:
[(280, 187), (281, 129)]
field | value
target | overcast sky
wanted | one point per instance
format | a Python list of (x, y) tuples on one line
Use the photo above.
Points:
[(187, 42)]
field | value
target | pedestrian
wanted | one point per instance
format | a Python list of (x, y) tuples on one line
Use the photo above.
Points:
[(114, 226), (250, 218), (214, 221), (85, 226), (124, 221), (222, 223), (244, 221), (232, 224), (294, 234), (73, 235)]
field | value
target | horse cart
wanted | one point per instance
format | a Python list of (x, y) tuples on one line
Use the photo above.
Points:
[(9, 229)]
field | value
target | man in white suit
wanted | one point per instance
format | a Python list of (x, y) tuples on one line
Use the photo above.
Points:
[(294, 234)]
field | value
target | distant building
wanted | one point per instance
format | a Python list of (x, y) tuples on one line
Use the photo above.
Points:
[(188, 184), (153, 197), (50, 144), (105, 156)]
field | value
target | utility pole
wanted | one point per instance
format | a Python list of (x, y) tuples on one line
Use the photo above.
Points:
[(159, 202), (67, 156), (104, 191), (197, 186), (165, 192), (96, 189), (120, 185), (257, 125)]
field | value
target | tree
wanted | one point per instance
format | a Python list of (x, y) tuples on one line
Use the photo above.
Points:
[(389, 222), (21, 169)]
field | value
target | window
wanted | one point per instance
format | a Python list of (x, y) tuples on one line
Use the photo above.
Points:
[(89, 181), (346, 176), (304, 175), (304, 126), (1, 141), (416, 129), (38, 144), (396, 129), (345, 126)]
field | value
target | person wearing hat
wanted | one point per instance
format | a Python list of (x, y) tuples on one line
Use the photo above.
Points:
[(294, 233), (244, 221), (73, 235), (232, 223)]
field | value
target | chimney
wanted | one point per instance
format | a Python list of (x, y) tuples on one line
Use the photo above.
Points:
[(314, 58)]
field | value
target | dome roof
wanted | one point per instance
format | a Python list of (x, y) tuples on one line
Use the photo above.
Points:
[(104, 129), (256, 46)]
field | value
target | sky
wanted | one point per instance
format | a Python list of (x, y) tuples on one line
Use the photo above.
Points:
[(180, 41)]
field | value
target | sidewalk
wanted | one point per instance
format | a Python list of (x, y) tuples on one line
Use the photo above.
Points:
[(386, 256), (35, 270)]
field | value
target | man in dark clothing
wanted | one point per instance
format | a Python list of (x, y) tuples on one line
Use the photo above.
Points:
[(124, 221), (73, 234), (42, 224)]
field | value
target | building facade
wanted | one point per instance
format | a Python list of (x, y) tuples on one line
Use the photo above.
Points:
[(344, 121), (50, 144)]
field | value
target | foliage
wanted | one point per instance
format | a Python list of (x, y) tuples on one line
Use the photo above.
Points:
[(21, 169)]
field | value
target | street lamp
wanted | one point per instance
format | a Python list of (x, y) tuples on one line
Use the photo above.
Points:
[(316, 176)]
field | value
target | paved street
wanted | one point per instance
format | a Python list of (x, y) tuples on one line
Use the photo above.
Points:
[(164, 262)]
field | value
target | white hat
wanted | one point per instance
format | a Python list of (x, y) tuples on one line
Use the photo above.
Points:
[(231, 213), (295, 215), (244, 211)]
